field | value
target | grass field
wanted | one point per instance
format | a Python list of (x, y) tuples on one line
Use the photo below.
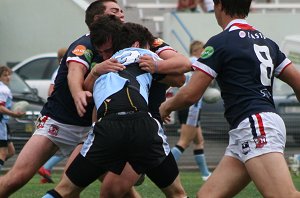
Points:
[(190, 180)]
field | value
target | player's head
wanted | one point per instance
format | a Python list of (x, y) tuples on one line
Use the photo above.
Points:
[(103, 31), (5, 73), (196, 47), (109, 35), (133, 35), (102, 7), (234, 8)]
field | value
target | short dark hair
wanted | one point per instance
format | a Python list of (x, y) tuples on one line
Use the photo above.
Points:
[(123, 35), (95, 8), (130, 33), (233, 8), (105, 28)]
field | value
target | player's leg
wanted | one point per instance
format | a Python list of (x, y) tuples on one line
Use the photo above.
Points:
[(34, 154), (229, 178), (268, 155), (166, 177), (3, 153), (199, 154), (3, 143), (10, 150), (271, 175), (10, 146), (121, 185), (187, 134), (45, 170)]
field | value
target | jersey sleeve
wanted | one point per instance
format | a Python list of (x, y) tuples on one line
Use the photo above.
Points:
[(281, 62), (81, 51), (159, 46), (210, 59)]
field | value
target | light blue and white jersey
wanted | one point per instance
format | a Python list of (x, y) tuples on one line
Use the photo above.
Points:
[(112, 82), (5, 100)]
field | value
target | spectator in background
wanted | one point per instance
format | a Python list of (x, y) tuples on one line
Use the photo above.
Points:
[(7, 148), (45, 170), (187, 5), (189, 119), (207, 5)]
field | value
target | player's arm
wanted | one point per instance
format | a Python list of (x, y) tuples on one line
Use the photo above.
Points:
[(291, 76), (172, 63), (187, 95), (6, 111), (76, 72), (110, 65), (173, 80)]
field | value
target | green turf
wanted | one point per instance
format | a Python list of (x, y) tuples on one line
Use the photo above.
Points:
[(190, 180)]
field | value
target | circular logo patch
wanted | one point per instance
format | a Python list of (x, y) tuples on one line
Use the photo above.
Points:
[(207, 52)]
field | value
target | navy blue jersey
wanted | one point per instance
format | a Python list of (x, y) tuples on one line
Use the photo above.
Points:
[(244, 63), (158, 90), (60, 105)]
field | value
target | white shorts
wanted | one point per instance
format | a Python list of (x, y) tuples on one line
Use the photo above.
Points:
[(66, 137), (257, 135)]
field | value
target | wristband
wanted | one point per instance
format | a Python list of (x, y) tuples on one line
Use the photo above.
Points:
[(94, 73)]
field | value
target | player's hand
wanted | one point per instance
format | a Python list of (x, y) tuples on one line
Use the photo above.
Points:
[(164, 112), (167, 120), (109, 65), (81, 100), (147, 64), (18, 114)]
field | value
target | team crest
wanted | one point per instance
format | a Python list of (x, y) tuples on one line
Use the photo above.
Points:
[(245, 148), (260, 141), (88, 54), (207, 52), (53, 130)]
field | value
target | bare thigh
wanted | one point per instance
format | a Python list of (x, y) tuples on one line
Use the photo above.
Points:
[(34, 154), (229, 178), (270, 174)]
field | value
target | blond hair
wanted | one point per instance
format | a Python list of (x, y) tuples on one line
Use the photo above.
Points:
[(194, 46)]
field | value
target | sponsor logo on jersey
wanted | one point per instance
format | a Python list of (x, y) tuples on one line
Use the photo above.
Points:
[(242, 34), (53, 130), (245, 148), (79, 50), (157, 42), (88, 54), (207, 52)]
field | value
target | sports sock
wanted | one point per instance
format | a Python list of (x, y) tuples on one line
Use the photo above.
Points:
[(55, 159), (201, 162), (1, 164), (177, 152), (52, 194)]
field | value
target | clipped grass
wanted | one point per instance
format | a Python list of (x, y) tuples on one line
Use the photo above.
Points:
[(190, 180)]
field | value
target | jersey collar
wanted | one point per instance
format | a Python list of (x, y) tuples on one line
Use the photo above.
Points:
[(239, 24)]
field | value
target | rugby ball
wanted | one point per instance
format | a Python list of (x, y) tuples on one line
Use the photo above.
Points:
[(20, 106), (211, 95)]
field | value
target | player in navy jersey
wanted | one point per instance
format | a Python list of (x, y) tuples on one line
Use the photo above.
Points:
[(244, 63), (67, 116), (122, 101)]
